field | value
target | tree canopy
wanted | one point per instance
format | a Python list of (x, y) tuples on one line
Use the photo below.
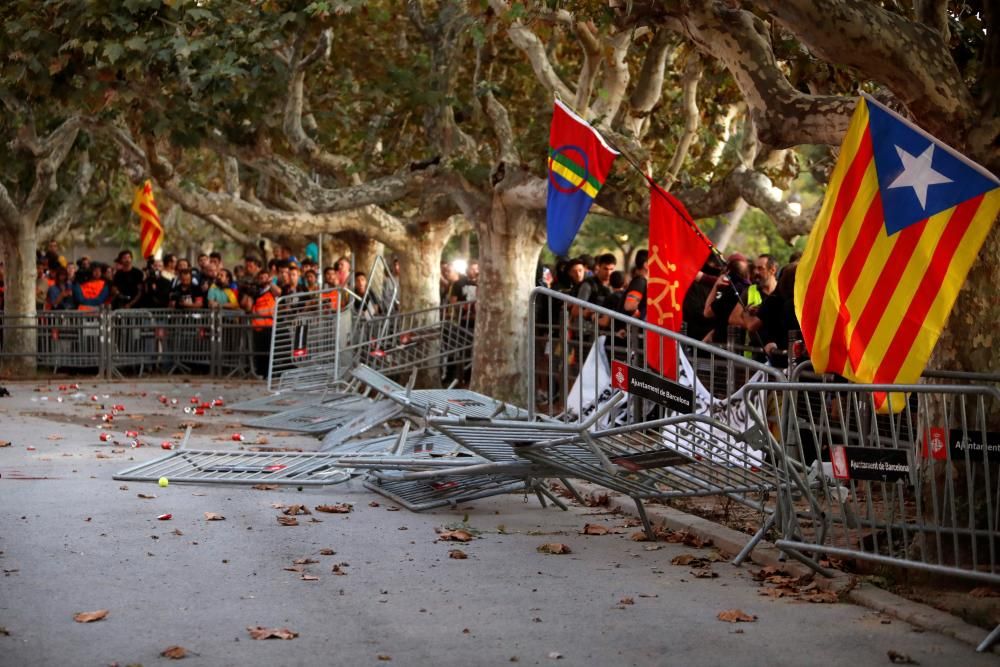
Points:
[(398, 119)]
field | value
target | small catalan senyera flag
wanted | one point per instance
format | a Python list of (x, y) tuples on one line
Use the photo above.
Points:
[(579, 162), (150, 229), (903, 219)]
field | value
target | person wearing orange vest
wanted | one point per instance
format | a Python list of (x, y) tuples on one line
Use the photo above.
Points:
[(89, 291), (260, 303)]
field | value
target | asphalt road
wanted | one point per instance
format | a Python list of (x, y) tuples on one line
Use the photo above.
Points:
[(74, 540)]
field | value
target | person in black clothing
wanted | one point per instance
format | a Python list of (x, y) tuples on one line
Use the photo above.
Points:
[(596, 289), (724, 296), (127, 284), (156, 287), (186, 295), (697, 325), (776, 319), (634, 303)]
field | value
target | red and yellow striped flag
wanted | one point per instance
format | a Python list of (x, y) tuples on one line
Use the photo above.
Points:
[(150, 229), (903, 219)]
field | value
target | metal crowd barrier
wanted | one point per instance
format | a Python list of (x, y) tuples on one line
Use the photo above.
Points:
[(908, 475), (308, 331), (574, 355), (136, 341)]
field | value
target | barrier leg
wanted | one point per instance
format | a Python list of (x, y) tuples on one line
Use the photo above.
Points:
[(990, 639), (540, 490), (805, 560), (572, 490), (646, 526), (754, 541)]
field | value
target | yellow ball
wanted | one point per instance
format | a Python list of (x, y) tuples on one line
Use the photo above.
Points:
[(164, 481)]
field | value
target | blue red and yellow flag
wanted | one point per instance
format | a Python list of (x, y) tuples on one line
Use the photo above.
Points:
[(579, 162), (903, 219), (150, 229)]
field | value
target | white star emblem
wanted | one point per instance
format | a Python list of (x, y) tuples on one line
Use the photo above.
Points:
[(918, 173)]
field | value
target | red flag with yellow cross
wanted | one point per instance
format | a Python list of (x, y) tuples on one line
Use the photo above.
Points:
[(677, 251)]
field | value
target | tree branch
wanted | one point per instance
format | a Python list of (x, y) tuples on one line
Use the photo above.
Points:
[(649, 87), (54, 149), (616, 77), (586, 33), (300, 142), (689, 87), (532, 47), (71, 209), (784, 116), (911, 59), (8, 210)]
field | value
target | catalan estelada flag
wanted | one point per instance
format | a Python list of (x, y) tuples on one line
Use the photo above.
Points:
[(150, 229), (903, 219), (579, 162), (677, 251)]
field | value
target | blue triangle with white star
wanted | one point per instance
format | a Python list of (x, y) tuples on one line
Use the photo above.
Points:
[(918, 176)]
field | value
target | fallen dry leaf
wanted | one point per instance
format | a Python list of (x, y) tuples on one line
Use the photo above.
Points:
[(985, 592), (146, 496), (292, 510), (641, 536), (304, 561), (259, 632), (174, 652), (265, 487), (212, 516), (900, 658), (383, 657), (90, 616), (373, 504), (327, 552), (295, 568), (56, 437), (683, 559), (288, 520), (338, 570), (554, 548), (457, 554), (309, 577), (626, 601), (4, 443), (455, 536), (704, 573), (821, 597), (177, 531), (339, 508), (735, 616), (595, 529)]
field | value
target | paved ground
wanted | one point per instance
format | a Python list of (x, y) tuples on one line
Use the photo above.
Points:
[(72, 539)]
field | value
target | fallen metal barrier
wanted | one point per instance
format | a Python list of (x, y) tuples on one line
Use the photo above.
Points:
[(193, 466), (908, 476), (430, 339)]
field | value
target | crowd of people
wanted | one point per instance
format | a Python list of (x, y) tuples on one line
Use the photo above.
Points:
[(173, 282), (754, 295)]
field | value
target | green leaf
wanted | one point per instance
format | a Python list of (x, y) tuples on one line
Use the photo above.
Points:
[(113, 51), (136, 43)]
